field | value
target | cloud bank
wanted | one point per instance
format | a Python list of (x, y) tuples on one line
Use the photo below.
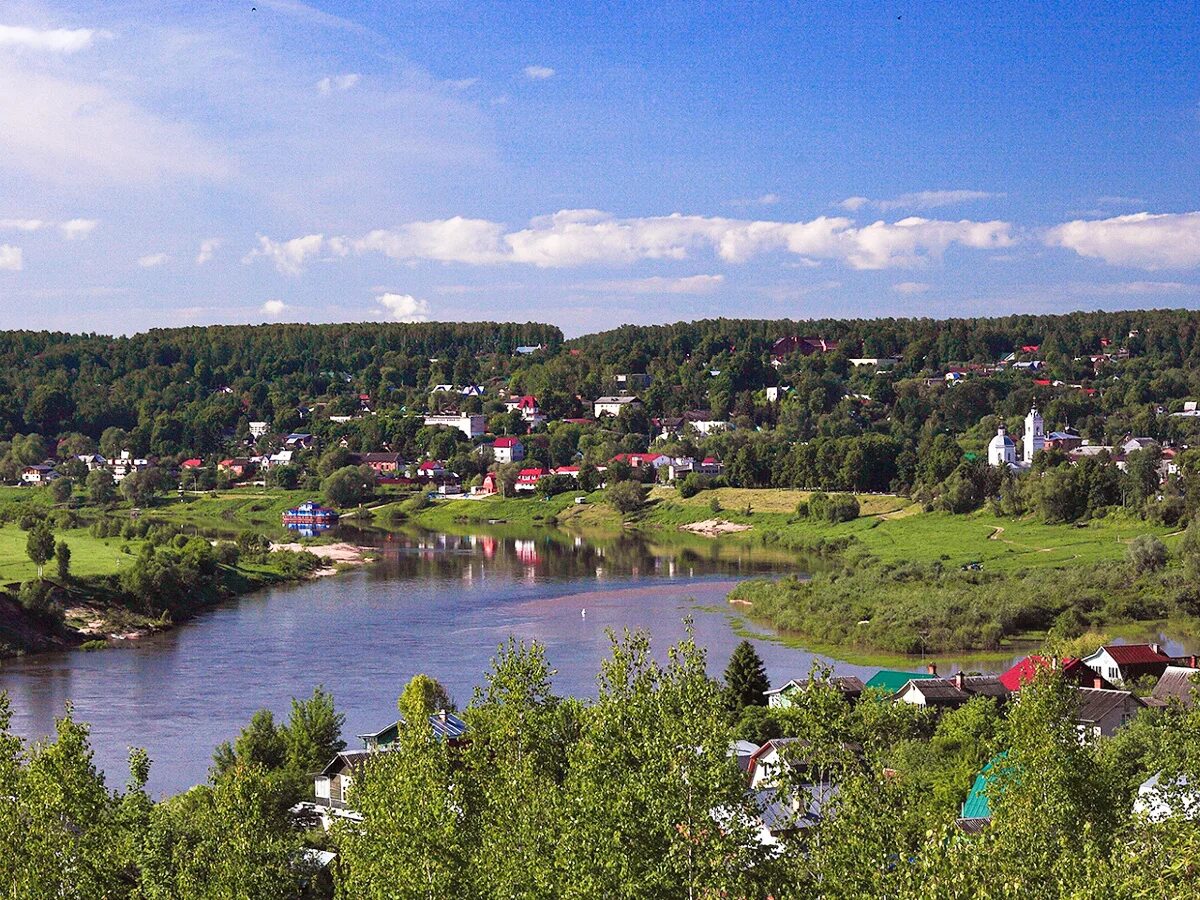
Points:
[(1141, 240), (582, 237)]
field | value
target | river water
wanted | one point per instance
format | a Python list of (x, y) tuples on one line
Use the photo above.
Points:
[(437, 604)]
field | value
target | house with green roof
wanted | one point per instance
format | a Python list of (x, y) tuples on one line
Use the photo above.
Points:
[(976, 810), (891, 680)]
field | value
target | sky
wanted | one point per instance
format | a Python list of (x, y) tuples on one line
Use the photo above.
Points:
[(592, 164)]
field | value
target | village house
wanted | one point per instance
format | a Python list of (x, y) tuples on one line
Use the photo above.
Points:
[(1177, 684), (237, 467), (612, 406), (258, 429), (472, 426), (299, 441), (279, 458), (507, 450), (1071, 669), (93, 461), (1100, 713), (643, 460), (384, 464), (527, 479), (936, 693), (126, 463), (891, 680), (849, 686), (1122, 663), (42, 473), (1065, 441), (446, 726), (527, 406)]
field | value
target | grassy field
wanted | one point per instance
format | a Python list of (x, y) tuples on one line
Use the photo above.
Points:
[(90, 556)]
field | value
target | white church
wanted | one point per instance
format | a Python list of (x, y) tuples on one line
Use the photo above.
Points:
[(1002, 451)]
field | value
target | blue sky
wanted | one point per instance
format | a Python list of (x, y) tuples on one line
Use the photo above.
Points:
[(175, 163)]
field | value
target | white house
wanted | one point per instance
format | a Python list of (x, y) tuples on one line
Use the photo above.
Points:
[(879, 362), (527, 406), (1002, 451), (1122, 662), (472, 426), (507, 450), (258, 429), (126, 464), (612, 406)]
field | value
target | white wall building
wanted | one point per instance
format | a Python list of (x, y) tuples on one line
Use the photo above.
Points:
[(1002, 451), (612, 406), (1035, 436), (472, 426)]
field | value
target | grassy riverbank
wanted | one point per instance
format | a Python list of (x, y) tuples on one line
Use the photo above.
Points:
[(131, 574), (891, 529)]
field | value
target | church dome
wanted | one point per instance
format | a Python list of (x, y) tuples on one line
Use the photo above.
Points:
[(1000, 441)]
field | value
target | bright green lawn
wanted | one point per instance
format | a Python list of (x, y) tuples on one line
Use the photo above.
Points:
[(89, 555)]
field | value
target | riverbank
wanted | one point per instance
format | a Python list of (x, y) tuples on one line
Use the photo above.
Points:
[(901, 581)]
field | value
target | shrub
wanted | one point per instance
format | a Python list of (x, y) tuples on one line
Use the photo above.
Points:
[(1147, 554)]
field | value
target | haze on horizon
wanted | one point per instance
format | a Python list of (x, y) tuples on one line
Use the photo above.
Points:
[(273, 160)]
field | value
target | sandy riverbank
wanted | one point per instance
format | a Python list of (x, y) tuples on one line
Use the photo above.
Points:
[(335, 554), (714, 527)]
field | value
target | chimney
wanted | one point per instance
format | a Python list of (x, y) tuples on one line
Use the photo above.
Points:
[(1192, 661), (1097, 681), (1156, 648), (958, 679), (931, 668)]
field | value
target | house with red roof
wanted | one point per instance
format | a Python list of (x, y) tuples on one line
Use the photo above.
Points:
[(642, 460), (527, 479), (527, 406), (508, 450), (1121, 663), (192, 464), (1072, 669)]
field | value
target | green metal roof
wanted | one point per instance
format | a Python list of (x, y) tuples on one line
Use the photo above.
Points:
[(976, 805), (891, 680)]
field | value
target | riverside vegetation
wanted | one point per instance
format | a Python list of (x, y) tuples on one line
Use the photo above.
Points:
[(631, 795)]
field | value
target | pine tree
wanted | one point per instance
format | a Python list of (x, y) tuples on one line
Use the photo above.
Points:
[(746, 678)]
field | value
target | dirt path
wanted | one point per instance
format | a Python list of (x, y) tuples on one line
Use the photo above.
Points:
[(714, 527)]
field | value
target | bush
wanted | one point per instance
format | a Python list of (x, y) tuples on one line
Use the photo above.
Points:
[(626, 496), (692, 484), (831, 507), (1147, 554)]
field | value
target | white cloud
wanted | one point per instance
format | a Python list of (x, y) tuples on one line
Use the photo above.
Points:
[(289, 257), (22, 224), (461, 84), (72, 229), (910, 287), (153, 260), (331, 83), (10, 258), (1141, 240), (933, 199), (917, 200), (208, 247), (67, 130), (53, 40), (579, 237), (538, 73), (404, 307), (274, 307), (474, 241), (657, 284), (77, 229), (768, 199)]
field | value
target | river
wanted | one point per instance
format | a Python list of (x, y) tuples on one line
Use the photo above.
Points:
[(437, 604)]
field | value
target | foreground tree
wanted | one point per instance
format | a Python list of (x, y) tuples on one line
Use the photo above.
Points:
[(39, 545)]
